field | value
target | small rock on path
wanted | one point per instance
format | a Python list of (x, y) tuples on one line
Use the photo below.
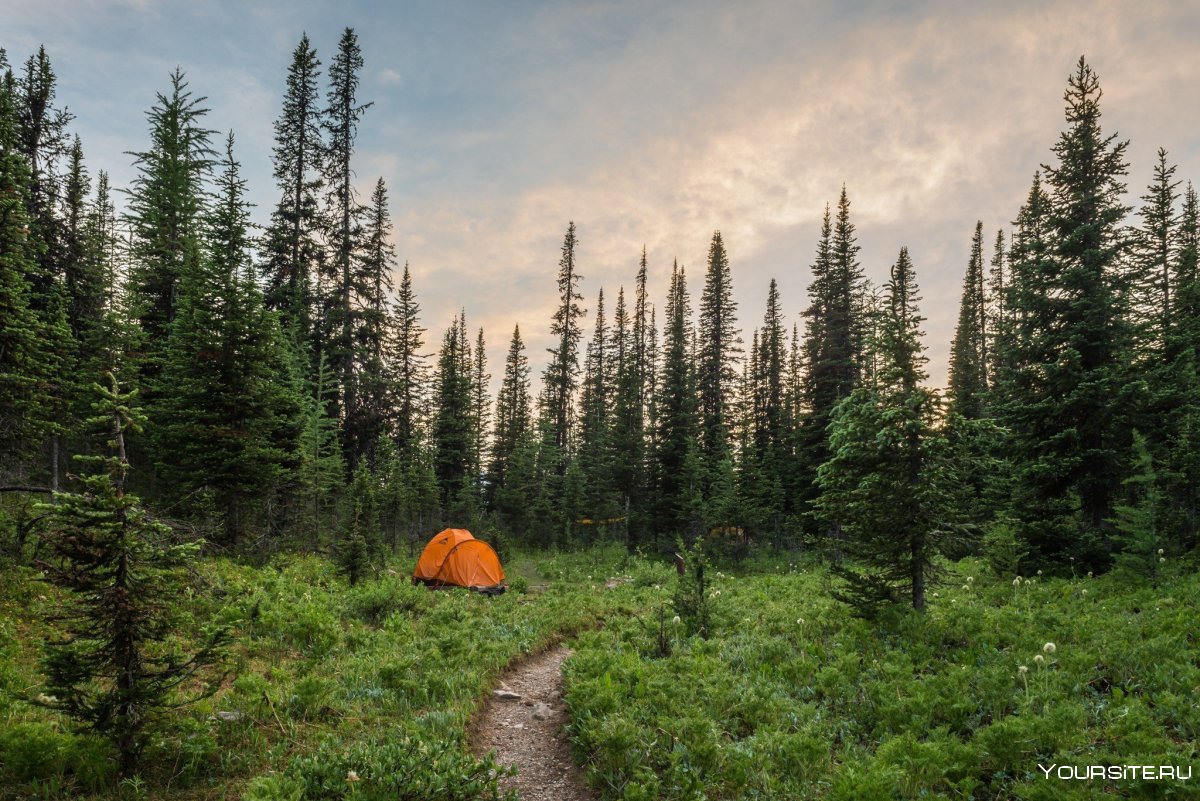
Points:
[(532, 737)]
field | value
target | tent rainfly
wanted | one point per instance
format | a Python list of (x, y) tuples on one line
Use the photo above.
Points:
[(454, 558)]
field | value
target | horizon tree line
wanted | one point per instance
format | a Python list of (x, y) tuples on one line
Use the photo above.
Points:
[(291, 403)]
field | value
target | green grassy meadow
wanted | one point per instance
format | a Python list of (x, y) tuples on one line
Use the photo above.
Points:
[(790, 697)]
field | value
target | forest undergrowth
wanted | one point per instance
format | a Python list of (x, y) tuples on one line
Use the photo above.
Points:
[(365, 692)]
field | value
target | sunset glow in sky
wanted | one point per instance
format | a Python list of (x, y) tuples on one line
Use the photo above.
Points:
[(655, 123)]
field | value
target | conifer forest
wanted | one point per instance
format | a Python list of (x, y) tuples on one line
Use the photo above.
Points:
[(789, 562)]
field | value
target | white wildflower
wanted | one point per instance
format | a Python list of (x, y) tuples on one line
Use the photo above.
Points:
[(676, 620), (1048, 648), (1039, 659), (352, 776), (1023, 669)]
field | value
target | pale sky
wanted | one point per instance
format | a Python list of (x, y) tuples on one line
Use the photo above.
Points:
[(655, 123)]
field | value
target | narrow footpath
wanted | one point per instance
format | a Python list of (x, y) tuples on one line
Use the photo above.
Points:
[(523, 723)]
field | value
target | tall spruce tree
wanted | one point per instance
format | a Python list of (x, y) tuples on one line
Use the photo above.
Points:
[(1165, 297), (891, 476), (676, 442), (647, 520), (769, 434), (752, 514), (627, 438), (292, 242), (1026, 296), (834, 340), (816, 323), (1065, 392), (338, 308), (42, 138), (1092, 407), (1018, 397), (23, 363), (999, 319), (226, 407), (716, 368), (844, 329), (595, 424), (103, 328), (481, 411), (968, 351), (513, 416), (635, 396), (87, 278), (373, 282), (1182, 459), (407, 368), (1152, 299), (452, 425), (165, 212), (1153, 293), (83, 277), (561, 376)]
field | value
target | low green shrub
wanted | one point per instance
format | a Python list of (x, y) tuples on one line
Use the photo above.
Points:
[(374, 601), (304, 624), (40, 752), (272, 787), (312, 698), (791, 697), (393, 765)]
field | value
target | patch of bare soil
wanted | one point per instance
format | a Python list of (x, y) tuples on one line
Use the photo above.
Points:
[(524, 722)]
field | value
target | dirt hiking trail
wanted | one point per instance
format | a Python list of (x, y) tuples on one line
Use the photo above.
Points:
[(523, 722)]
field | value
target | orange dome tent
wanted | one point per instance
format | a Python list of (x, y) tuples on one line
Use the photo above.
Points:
[(455, 558)]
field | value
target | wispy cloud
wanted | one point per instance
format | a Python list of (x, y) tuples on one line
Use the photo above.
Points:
[(654, 124)]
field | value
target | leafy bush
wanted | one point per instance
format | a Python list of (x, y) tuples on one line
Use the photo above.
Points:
[(373, 601), (305, 624), (395, 765), (1003, 548), (39, 752), (273, 787), (311, 698)]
